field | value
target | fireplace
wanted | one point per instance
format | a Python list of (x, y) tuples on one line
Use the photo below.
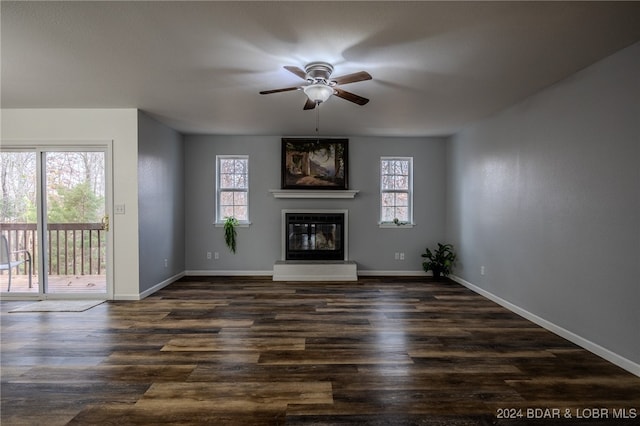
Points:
[(314, 236), (315, 247), (310, 235)]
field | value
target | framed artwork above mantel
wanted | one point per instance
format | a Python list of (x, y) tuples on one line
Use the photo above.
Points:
[(315, 163)]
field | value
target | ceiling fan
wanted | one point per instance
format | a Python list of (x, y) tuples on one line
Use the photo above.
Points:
[(320, 86)]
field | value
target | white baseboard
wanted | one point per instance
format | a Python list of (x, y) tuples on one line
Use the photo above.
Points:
[(227, 273), (374, 273), (592, 347), (269, 273), (149, 291), (127, 296)]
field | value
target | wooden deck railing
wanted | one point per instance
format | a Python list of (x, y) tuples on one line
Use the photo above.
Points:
[(73, 248)]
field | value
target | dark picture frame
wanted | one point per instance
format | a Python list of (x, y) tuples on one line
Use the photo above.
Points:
[(313, 163)]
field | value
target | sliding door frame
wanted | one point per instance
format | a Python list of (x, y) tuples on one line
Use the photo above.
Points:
[(41, 148)]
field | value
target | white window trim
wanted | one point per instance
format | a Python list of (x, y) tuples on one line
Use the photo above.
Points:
[(240, 224), (411, 223), (218, 220)]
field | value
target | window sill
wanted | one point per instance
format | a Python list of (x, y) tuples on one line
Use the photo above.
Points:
[(393, 225), (240, 225)]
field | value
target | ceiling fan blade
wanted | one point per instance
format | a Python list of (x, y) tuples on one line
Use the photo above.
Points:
[(352, 78), (309, 104), (286, 89), (350, 96), (297, 71)]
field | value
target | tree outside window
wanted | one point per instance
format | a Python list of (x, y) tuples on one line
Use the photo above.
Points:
[(232, 187), (396, 190)]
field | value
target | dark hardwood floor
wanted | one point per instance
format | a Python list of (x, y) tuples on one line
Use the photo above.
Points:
[(241, 351)]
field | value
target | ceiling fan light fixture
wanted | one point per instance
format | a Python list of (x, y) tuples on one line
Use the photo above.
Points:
[(318, 93)]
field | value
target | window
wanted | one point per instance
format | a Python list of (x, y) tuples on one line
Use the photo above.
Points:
[(396, 191), (232, 187)]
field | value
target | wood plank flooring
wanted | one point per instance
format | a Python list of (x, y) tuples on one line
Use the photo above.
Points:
[(249, 351)]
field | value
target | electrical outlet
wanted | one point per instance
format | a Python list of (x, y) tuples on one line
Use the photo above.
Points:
[(482, 270), (208, 255), (216, 255), (166, 263), (119, 209), (402, 256), (397, 256)]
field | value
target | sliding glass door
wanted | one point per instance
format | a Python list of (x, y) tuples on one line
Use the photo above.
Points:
[(75, 206), (19, 272), (54, 210)]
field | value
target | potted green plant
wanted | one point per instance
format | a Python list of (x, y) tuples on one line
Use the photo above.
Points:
[(230, 233), (440, 260)]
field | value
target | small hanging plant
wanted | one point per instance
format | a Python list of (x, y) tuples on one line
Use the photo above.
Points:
[(230, 233)]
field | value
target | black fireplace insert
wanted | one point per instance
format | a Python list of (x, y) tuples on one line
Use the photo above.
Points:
[(314, 236)]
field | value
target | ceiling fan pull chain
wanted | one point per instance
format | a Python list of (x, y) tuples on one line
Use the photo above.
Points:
[(318, 119)]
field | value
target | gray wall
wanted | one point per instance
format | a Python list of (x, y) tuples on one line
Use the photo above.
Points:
[(160, 202), (546, 195), (371, 247)]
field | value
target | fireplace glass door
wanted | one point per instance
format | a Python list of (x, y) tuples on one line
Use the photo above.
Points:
[(314, 236)]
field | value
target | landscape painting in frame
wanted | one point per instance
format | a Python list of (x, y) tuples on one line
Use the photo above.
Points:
[(310, 163)]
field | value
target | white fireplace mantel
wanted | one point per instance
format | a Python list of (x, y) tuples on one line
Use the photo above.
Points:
[(314, 193)]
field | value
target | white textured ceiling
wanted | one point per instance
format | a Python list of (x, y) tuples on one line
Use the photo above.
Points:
[(198, 66)]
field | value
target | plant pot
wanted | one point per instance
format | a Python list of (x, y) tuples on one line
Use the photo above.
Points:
[(436, 274)]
